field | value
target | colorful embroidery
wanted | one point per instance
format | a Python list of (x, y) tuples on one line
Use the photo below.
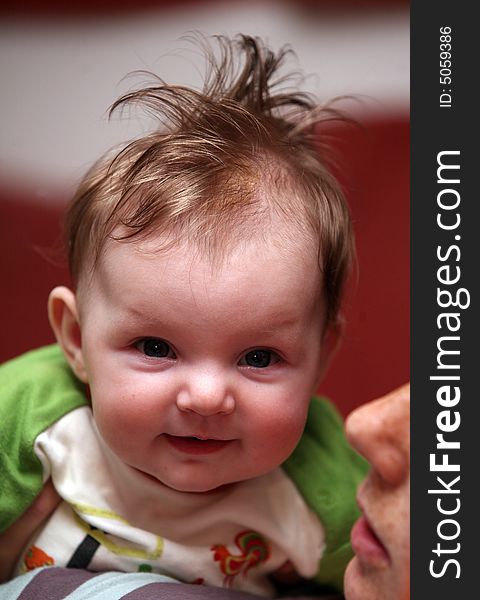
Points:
[(254, 550), (35, 557)]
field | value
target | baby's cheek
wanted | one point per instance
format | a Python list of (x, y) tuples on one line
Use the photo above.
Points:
[(115, 413), (281, 432), (291, 415)]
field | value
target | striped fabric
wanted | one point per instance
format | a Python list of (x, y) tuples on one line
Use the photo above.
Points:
[(57, 583), (76, 584)]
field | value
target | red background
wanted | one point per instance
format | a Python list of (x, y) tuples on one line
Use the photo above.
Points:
[(374, 355)]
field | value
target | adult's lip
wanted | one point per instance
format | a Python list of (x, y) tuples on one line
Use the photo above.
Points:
[(366, 544), (196, 445)]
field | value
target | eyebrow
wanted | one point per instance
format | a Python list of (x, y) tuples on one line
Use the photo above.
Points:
[(289, 327), (276, 327)]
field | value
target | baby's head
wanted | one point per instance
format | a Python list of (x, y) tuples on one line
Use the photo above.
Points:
[(209, 260)]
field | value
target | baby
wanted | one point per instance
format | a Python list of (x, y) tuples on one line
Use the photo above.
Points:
[(176, 415)]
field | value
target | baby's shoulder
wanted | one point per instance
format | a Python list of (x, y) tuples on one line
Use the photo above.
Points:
[(34, 362), (327, 472), (323, 452), (37, 388)]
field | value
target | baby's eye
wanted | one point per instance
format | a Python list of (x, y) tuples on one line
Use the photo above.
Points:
[(155, 348), (259, 358)]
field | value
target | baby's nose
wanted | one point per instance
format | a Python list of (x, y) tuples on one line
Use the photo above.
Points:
[(206, 395)]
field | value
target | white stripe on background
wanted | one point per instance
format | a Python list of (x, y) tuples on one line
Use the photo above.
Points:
[(60, 76)]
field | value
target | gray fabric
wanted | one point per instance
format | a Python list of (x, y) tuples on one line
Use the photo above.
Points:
[(185, 591), (56, 583)]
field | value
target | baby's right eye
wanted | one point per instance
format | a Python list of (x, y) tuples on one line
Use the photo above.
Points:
[(155, 347)]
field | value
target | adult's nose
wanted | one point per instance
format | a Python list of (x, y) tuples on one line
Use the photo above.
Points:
[(380, 431), (206, 393)]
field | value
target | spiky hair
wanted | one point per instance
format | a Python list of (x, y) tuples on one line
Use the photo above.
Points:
[(221, 158)]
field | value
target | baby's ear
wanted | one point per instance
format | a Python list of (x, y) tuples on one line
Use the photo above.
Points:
[(63, 316)]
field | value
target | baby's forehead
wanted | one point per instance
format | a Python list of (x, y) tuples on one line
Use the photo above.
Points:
[(266, 237), (259, 282), (271, 227)]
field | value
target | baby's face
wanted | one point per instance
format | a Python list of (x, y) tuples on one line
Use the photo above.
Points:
[(201, 376)]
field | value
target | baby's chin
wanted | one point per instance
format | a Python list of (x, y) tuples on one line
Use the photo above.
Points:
[(209, 485), (200, 479), (214, 490), (192, 485), (198, 487)]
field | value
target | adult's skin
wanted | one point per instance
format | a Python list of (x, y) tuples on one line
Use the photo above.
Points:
[(380, 431), (14, 539)]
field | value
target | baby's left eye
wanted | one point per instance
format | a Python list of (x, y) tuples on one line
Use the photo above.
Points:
[(259, 358)]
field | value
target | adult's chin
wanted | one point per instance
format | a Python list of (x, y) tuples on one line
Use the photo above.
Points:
[(351, 583), (359, 585), (363, 582)]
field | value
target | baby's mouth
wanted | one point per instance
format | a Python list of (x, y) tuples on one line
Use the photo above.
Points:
[(196, 445)]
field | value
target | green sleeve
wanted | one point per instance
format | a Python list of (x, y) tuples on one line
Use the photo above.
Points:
[(36, 389), (327, 473)]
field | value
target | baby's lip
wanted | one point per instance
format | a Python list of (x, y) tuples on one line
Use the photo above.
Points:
[(199, 436), (196, 444)]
